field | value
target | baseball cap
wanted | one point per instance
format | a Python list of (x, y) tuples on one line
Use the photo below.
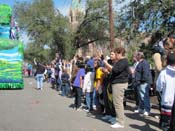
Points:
[(172, 36)]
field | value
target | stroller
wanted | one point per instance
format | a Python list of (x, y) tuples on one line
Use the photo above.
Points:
[(129, 92)]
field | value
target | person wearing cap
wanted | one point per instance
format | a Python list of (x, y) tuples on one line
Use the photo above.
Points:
[(165, 86)]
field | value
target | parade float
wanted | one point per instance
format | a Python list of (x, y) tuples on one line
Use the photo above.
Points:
[(11, 51)]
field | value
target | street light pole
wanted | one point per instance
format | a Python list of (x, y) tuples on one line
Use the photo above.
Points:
[(111, 25)]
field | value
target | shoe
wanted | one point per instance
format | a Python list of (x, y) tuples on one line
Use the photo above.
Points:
[(138, 111), (86, 110), (106, 117), (146, 113), (117, 125), (112, 120), (94, 107), (78, 109), (157, 117)]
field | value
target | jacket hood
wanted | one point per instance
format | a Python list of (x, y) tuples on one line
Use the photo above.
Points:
[(171, 70)]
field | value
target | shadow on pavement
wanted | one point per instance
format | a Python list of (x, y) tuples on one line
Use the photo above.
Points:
[(146, 120)]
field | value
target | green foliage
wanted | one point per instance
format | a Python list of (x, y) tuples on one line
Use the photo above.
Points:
[(46, 27), (133, 22), (147, 16), (33, 51), (94, 25), (138, 19)]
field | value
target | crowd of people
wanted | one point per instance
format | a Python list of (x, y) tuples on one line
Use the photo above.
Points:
[(103, 82)]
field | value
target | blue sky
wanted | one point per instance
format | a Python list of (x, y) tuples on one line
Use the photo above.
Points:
[(62, 5)]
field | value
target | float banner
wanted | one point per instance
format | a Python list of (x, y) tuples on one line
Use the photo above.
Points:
[(11, 59), (5, 14)]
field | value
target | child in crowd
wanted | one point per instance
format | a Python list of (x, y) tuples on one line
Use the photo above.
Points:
[(165, 86), (65, 87), (49, 72), (98, 80), (88, 87)]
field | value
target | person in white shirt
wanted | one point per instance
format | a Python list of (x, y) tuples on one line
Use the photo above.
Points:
[(165, 85), (88, 87)]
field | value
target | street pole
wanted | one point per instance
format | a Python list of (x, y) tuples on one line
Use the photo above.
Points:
[(111, 25)]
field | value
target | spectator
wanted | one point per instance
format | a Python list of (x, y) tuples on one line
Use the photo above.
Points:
[(132, 69), (119, 81), (65, 83), (159, 58), (165, 86), (88, 87), (78, 84), (98, 80), (40, 69), (29, 69), (143, 79), (51, 73), (110, 114)]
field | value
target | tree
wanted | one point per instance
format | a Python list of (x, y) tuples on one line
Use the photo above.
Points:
[(95, 24), (45, 26), (138, 19), (148, 16)]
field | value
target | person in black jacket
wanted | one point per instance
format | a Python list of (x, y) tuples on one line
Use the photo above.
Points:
[(143, 79), (119, 81)]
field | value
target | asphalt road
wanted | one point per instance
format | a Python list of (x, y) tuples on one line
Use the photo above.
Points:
[(34, 110)]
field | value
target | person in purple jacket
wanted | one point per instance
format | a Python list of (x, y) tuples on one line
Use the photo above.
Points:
[(78, 84)]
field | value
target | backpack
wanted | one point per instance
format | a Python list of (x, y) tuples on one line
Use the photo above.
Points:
[(157, 48)]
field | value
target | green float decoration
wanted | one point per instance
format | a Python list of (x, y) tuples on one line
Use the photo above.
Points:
[(5, 14), (11, 59), (11, 52)]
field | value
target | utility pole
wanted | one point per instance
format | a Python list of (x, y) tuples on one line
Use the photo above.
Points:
[(111, 25)]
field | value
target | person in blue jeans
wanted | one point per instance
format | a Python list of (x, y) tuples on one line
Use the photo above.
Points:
[(143, 80), (40, 69), (65, 83), (88, 87)]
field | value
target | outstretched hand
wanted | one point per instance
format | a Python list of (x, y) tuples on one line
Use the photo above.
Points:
[(35, 61)]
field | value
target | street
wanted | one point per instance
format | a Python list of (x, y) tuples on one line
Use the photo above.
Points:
[(44, 110)]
